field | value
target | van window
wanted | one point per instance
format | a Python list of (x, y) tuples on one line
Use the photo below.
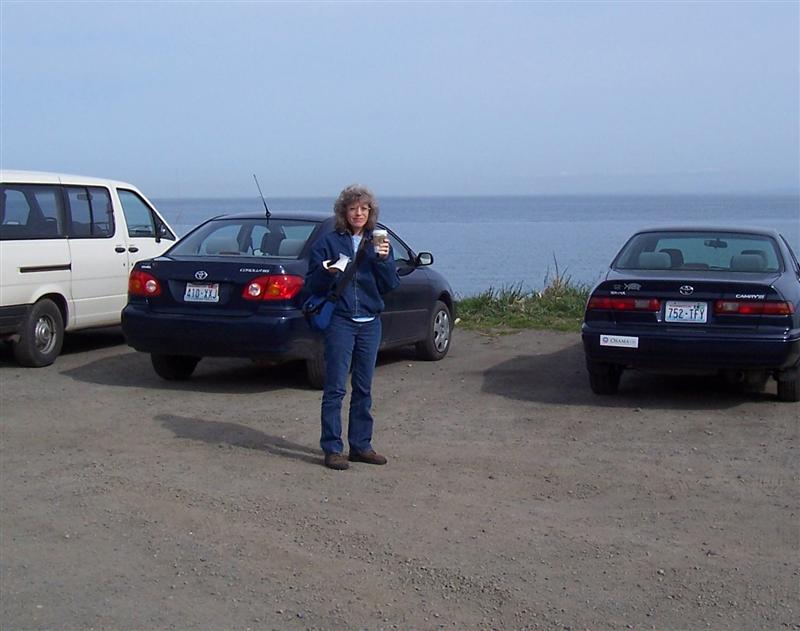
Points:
[(140, 217), (31, 211), (92, 215)]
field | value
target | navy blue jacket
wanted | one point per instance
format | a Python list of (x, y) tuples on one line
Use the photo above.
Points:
[(373, 277)]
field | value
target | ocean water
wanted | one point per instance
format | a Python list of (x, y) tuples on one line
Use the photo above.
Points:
[(480, 243)]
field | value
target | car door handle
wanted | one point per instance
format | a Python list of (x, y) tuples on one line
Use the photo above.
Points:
[(133, 248), (119, 249)]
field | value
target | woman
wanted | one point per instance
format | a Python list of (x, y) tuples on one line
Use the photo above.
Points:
[(354, 333)]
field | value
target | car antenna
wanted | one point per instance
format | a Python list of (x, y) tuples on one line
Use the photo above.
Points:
[(262, 196)]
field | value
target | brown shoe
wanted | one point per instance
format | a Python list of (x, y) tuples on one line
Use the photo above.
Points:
[(336, 461), (370, 457)]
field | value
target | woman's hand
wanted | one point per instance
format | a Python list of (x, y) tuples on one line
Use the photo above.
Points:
[(382, 250)]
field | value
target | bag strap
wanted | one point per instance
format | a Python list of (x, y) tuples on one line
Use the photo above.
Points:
[(348, 273)]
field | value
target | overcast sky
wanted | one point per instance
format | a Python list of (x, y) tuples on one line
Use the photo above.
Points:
[(189, 99)]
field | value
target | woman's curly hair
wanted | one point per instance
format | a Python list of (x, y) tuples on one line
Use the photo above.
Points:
[(350, 195)]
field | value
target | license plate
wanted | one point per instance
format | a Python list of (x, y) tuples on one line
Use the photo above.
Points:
[(678, 311), (201, 292)]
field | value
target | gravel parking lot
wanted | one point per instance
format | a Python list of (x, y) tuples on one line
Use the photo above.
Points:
[(513, 497)]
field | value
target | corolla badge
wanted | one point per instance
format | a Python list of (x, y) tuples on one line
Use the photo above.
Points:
[(686, 289), (201, 275)]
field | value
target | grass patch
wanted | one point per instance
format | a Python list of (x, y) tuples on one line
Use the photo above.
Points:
[(558, 306)]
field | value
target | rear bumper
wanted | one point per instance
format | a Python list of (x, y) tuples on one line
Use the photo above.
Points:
[(694, 351), (281, 337), (11, 318)]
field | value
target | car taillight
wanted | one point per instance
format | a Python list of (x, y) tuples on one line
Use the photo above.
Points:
[(143, 284), (738, 307), (624, 304), (273, 287)]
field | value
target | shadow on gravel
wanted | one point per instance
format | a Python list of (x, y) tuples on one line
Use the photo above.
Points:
[(213, 374), (235, 376), (84, 341), (78, 342), (214, 432), (561, 378)]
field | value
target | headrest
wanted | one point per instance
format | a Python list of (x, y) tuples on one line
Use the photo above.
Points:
[(747, 263), (654, 260), (675, 256), (270, 242), (291, 247), (217, 245)]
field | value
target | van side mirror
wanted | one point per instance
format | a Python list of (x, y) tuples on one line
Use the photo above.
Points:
[(424, 258), (162, 232)]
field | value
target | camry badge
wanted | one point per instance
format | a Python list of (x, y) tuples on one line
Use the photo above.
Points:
[(686, 289), (201, 275)]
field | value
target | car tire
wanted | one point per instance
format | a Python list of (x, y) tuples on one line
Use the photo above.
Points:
[(40, 336), (439, 334), (315, 371), (603, 378), (789, 390), (174, 367)]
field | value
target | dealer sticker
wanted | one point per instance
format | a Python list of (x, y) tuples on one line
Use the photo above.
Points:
[(623, 341)]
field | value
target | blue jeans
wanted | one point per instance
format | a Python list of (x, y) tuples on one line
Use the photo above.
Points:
[(347, 341)]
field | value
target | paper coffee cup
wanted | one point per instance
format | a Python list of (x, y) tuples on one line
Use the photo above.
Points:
[(379, 236)]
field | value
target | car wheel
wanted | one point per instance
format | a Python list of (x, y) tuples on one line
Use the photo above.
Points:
[(603, 378), (440, 331), (789, 390), (41, 335), (315, 371), (174, 367)]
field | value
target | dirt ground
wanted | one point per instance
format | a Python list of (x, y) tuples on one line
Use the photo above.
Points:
[(513, 497)]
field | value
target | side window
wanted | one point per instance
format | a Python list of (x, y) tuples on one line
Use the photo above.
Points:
[(91, 213), (50, 206), (400, 251), (31, 211), (140, 218), (791, 253), (16, 209)]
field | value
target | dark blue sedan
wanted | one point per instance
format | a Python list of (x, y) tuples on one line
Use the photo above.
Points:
[(698, 300), (233, 287)]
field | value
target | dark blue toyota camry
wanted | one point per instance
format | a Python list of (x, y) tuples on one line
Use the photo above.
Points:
[(233, 287), (698, 300)]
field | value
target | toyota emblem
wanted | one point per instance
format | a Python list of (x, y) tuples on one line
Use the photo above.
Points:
[(202, 275), (686, 289)]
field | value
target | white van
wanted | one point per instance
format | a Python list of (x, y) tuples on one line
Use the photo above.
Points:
[(67, 245)]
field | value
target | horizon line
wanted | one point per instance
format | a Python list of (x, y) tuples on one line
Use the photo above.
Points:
[(766, 193)]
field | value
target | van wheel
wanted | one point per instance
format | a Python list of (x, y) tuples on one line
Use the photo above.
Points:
[(174, 367), (315, 371), (603, 378), (41, 335), (789, 390), (440, 330)]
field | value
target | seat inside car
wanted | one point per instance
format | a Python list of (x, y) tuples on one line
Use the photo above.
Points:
[(291, 247), (747, 263), (271, 243), (759, 253), (654, 260), (675, 257), (221, 245)]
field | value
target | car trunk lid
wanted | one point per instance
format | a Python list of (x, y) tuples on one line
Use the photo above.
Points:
[(197, 288), (700, 303)]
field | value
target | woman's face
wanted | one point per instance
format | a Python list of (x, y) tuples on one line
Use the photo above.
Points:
[(357, 216)]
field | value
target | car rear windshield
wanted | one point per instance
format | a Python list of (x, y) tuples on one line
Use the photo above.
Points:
[(261, 238), (716, 251)]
